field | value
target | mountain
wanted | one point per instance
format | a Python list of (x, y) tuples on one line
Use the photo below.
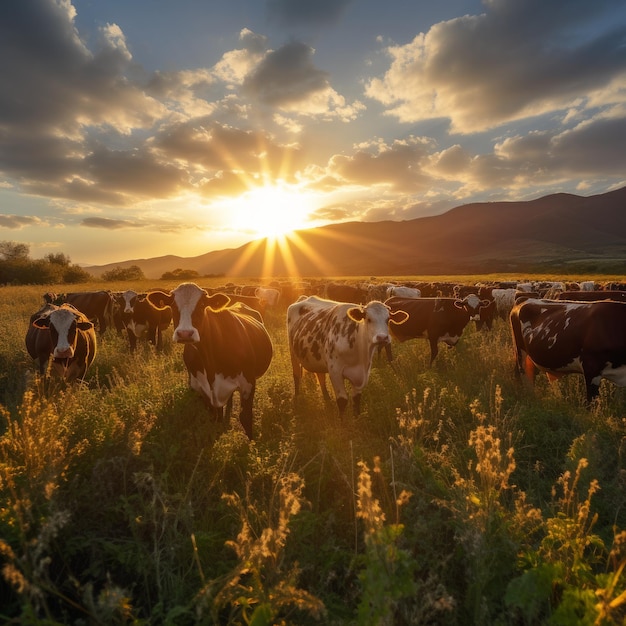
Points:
[(586, 233)]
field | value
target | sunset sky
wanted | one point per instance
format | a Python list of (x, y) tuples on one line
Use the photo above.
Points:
[(137, 128)]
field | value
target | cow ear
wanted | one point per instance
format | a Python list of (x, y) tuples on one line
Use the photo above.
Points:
[(356, 313), (398, 317), (485, 303), (217, 301), (42, 322), (459, 304), (84, 325), (159, 299)]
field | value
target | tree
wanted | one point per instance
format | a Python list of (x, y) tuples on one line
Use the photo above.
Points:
[(133, 272), (180, 274), (76, 274), (14, 251), (58, 259)]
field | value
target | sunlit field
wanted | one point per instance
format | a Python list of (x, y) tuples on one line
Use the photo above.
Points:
[(461, 495)]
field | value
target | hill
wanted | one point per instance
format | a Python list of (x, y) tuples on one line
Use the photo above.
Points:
[(555, 232)]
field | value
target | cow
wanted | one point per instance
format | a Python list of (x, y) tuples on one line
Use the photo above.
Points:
[(590, 296), (141, 319), (403, 292), (338, 338), (268, 295), (566, 337), (505, 300), (66, 335), (437, 319), (251, 301), (226, 349), (587, 285), (97, 306), (343, 292)]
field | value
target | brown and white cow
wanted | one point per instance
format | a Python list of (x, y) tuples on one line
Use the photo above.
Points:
[(337, 338), (566, 337), (225, 348), (66, 335), (97, 306), (440, 320)]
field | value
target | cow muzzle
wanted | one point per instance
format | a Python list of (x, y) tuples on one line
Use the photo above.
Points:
[(186, 336), (65, 353)]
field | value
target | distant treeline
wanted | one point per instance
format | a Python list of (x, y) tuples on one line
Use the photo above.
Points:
[(17, 268)]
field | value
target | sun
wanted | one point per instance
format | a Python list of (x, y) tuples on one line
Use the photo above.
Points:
[(271, 211)]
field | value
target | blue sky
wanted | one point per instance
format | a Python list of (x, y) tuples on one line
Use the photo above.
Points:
[(137, 128)]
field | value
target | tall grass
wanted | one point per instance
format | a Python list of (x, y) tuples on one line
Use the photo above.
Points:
[(460, 495)]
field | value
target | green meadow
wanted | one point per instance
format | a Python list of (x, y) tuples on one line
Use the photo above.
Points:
[(461, 495)]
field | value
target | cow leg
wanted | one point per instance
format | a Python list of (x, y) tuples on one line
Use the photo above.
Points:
[(296, 368), (592, 383), (246, 417), (356, 403), (529, 369), (339, 387), (159, 339), (152, 335), (321, 379), (132, 340), (434, 349)]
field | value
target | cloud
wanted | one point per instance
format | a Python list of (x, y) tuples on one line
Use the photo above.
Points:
[(109, 224), (307, 12), (52, 82), (286, 76), (396, 165), (15, 222), (235, 65), (518, 59)]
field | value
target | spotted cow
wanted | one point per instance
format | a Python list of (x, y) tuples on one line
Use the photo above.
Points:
[(326, 336), (64, 334), (226, 348), (566, 337)]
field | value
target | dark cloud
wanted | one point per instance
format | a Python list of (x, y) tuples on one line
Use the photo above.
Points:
[(307, 12), (50, 80), (108, 224), (15, 222), (286, 76)]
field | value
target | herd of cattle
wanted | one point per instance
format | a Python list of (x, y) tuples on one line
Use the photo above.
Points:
[(335, 328)]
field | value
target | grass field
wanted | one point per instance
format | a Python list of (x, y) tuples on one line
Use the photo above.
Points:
[(460, 495)]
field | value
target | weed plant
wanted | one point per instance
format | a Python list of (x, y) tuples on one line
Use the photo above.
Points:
[(461, 494)]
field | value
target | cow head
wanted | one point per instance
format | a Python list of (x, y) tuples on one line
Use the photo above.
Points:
[(63, 324), (188, 303), (375, 316), (472, 304)]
